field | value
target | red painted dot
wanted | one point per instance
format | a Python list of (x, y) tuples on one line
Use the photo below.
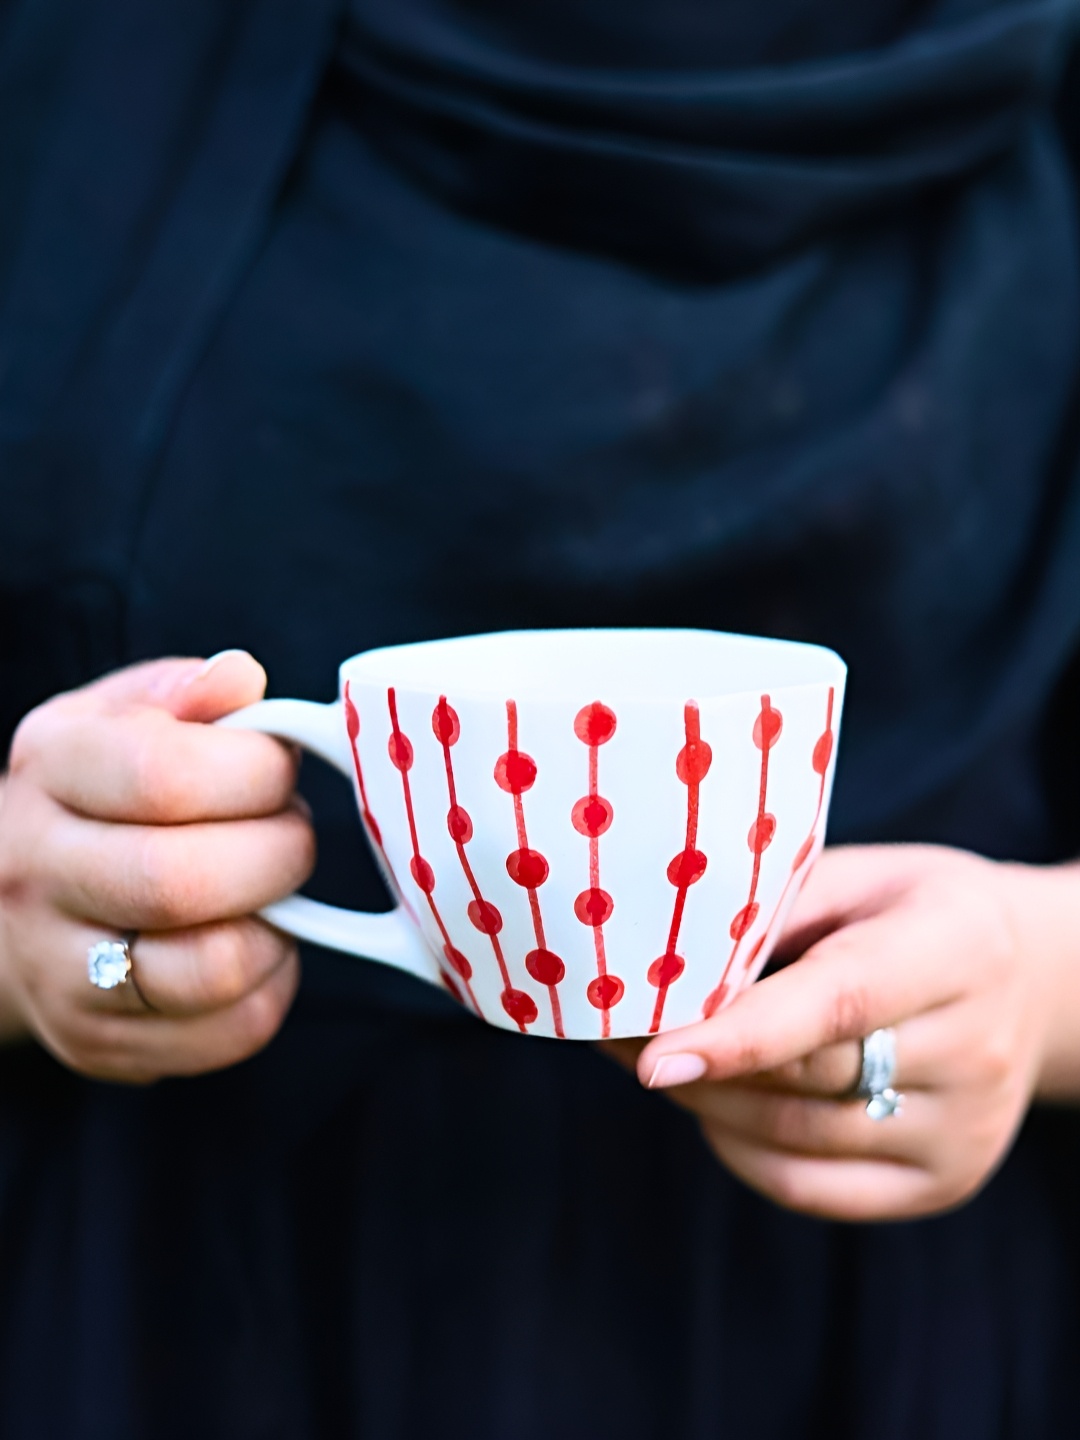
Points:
[(519, 1006), (693, 761), (400, 751), (767, 726), (459, 823), (593, 907), (445, 723), (485, 917), (687, 867), (666, 970), (545, 967), (527, 867), (592, 815), (743, 920), (823, 752), (594, 724), (605, 991), (714, 1001), (802, 853), (373, 827), (422, 873), (458, 961), (352, 719), (515, 772), (761, 832)]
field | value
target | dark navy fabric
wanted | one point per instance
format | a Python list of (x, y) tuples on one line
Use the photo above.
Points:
[(326, 325)]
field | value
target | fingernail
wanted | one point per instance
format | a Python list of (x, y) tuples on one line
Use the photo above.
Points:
[(676, 1070), (209, 665)]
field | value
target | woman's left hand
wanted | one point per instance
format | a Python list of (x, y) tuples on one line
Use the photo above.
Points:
[(977, 966)]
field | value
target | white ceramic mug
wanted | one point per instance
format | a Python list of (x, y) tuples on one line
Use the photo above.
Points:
[(589, 832)]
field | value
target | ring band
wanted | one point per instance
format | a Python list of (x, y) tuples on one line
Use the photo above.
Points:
[(876, 1074), (878, 1064), (108, 963)]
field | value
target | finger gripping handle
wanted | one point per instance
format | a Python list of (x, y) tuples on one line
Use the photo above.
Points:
[(391, 938)]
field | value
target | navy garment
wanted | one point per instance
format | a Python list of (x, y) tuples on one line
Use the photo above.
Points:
[(329, 325)]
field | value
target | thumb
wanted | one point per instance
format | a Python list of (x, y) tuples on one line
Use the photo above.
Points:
[(224, 683), (189, 688)]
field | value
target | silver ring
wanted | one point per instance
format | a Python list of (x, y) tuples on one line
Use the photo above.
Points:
[(876, 1075), (108, 963)]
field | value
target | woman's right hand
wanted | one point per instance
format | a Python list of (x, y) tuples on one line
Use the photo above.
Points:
[(124, 810)]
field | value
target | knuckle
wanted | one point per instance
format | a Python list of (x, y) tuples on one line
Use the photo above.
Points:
[(157, 786), (143, 766), (304, 846), (831, 1070), (159, 883), (226, 959), (792, 1072), (22, 745), (748, 1056), (233, 955), (1000, 1057), (28, 844), (15, 884), (848, 1015), (276, 764), (30, 735)]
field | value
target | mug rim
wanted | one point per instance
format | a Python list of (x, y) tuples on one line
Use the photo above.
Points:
[(357, 668)]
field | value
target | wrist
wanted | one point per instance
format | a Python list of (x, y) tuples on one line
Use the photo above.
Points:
[(1044, 902)]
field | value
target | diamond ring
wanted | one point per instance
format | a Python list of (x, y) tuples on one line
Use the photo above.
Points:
[(108, 963)]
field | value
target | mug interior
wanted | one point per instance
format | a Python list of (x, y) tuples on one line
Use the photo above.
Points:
[(653, 665)]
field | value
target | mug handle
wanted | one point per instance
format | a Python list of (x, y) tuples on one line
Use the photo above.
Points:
[(390, 938)]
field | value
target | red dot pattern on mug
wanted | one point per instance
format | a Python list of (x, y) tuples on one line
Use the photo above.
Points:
[(766, 732), (352, 727), (692, 764), (400, 750), (515, 772), (819, 761), (591, 816), (823, 749), (482, 913)]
